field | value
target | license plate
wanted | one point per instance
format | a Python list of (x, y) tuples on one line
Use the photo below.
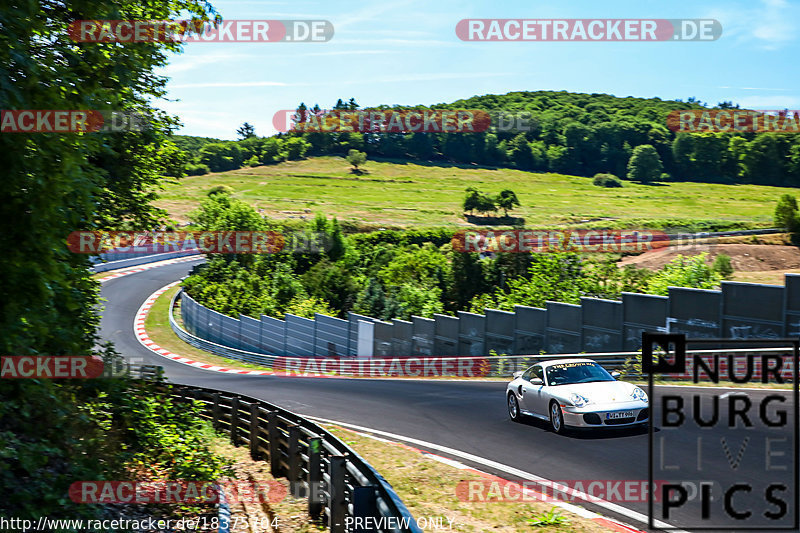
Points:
[(619, 414)]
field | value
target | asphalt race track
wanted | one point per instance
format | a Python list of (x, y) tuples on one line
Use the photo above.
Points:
[(469, 417)]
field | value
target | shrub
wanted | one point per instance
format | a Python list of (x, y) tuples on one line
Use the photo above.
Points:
[(786, 213), (220, 189), (196, 170), (684, 272), (252, 162), (722, 266), (606, 180), (644, 165), (356, 158), (273, 151), (296, 148)]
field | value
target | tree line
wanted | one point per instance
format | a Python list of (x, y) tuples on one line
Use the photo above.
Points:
[(569, 133)]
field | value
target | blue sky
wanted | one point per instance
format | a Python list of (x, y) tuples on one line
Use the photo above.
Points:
[(407, 52)]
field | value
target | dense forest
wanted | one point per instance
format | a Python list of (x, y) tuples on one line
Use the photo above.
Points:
[(570, 133)]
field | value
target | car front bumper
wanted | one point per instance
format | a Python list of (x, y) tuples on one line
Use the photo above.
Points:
[(620, 414)]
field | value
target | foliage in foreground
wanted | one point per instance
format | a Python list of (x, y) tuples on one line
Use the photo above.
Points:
[(51, 432), (103, 429)]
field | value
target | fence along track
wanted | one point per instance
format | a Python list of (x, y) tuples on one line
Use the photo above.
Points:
[(500, 366), (337, 482)]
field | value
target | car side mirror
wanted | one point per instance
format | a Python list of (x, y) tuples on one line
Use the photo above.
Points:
[(517, 374), (537, 381), (615, 374)]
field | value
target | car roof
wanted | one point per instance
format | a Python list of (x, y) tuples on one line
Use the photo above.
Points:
[(545, 364)]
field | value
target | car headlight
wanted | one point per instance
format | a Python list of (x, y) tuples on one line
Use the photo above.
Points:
[(639, 394), (578, 401)]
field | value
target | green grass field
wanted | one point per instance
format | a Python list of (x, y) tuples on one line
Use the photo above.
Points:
[(412, 194)]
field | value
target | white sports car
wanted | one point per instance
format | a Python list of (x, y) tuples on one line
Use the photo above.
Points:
[(576, 393)]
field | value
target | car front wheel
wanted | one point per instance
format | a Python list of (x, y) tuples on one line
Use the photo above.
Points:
[(513, 408), (556, 418)]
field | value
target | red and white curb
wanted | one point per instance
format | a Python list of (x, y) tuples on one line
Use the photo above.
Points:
[(147, 342), (140, 268)]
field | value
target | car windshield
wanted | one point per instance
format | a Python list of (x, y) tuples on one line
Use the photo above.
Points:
[(576, 372)]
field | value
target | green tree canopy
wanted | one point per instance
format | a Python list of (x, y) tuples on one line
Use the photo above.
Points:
[(645, 164)]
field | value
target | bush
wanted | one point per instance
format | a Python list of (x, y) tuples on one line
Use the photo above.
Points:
[(220, 189), (644, 165), (722, 266), (196, 170), (606, 180), (296, 148), (684, 272), (273, 151), (356, 158), (252, 162)]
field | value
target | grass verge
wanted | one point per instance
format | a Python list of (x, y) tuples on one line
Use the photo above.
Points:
[(289, 515), (158, 329), (428, 489)]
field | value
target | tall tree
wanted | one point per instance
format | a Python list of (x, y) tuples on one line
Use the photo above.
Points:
[(246, 131), (645, 165), (507, 200), (54, 184)]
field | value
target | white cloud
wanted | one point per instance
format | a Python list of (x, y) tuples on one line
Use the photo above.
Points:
[(769, 23), (769, 102)]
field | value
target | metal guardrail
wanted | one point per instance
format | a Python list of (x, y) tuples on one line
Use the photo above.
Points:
[(216, 349), (335, 480)]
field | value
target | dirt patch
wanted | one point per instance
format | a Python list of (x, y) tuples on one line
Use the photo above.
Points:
[(744, 257)]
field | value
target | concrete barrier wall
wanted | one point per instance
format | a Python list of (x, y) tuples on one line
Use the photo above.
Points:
[(792, 305), (424, 335), (402, 338), (445, 340), (471, 334), (564, 333), (299, 336), (602, 325), (738, 310), (695, 312), (642, 312), (382, 339), (530, 328), (752, 310)]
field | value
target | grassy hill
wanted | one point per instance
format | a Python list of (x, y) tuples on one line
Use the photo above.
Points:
[(404, 193)]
